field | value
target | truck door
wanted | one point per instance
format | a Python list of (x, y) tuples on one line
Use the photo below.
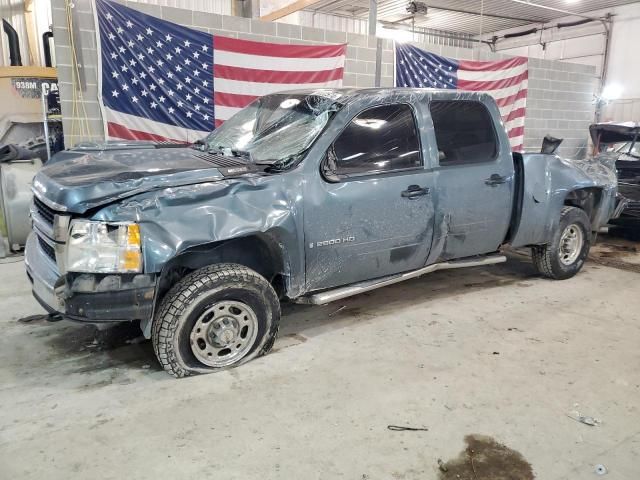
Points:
[(475, 177), (369, 212)]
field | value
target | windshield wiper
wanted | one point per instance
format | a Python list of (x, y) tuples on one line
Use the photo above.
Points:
[(219, 150), (198, 145), (276, 166), (246, 154)]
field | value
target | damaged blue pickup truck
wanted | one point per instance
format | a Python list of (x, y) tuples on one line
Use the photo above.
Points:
[(310, 196)]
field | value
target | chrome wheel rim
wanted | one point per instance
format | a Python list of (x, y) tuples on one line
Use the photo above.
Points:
[(224, 333), (571, 243)]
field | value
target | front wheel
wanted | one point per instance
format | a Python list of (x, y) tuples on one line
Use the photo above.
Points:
[(564, 256), (217, 317)]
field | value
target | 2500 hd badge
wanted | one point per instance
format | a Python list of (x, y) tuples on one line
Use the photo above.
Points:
[(333, 241)]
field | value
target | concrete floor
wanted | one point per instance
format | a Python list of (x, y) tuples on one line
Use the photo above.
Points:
[(494, 351)]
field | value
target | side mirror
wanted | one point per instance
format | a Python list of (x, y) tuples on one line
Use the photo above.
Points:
[(550, 144), (329, 168)]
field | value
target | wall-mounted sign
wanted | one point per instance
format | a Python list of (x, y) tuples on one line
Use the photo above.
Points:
[(32, 87)]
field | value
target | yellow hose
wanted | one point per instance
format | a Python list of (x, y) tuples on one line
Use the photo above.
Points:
[(79, 120)]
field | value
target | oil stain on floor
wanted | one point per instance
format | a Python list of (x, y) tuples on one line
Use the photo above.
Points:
[(486, 459)]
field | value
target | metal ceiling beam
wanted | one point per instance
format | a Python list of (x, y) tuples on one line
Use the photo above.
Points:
[(337, 4), (289, 9), (465, 37), (553, 9), (330, 7), (501, 17)]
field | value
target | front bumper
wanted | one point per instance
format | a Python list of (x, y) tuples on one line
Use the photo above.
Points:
[(85, 297), (43, 274)]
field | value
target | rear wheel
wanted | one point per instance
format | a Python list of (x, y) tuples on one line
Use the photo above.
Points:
[(564, 256), (217, 317)]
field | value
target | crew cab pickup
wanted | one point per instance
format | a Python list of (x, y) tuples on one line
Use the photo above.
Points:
[(310, 196)]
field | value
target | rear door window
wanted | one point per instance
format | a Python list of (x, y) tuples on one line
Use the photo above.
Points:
[(380, 139), (464, 132)]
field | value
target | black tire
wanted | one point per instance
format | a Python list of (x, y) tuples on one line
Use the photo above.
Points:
[(199, 293), (547, 258)]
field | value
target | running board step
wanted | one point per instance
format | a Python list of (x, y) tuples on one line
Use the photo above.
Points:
[(329, 296)]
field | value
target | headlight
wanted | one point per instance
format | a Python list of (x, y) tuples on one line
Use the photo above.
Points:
[(98, 247)]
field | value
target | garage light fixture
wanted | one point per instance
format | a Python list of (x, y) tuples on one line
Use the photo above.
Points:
[(395, 34), (612, 91)]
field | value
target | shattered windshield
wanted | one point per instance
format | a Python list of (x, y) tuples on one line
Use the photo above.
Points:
[(629, 148), (274, 129)]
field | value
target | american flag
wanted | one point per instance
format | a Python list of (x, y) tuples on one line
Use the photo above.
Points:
[(161, 81), (505, 80)]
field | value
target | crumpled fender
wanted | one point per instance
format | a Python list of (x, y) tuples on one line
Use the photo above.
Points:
[(175, 219), (548, 179)]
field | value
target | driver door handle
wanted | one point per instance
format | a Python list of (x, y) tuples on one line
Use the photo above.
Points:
[(495, 180), (414, 191)]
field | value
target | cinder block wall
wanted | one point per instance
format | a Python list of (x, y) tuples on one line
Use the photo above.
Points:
[(559, 100), (560, 103)]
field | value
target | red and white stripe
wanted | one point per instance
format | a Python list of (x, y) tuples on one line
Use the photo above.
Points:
[(244, 70), (506, 81), (122, 126)]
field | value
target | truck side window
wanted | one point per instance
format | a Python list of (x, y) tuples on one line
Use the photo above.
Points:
[(380, 139), (464, 132)]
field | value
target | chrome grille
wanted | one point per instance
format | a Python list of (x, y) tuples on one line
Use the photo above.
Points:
[(50, 227), (44, 211), (46, 248)]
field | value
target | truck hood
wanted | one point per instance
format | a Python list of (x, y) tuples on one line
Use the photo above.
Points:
[(83, 178), (611, 132)]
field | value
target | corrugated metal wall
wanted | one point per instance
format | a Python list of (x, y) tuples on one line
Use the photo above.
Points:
[(222, 7), (441, 37), (331, 22), (308, 18), (357, 25), (13, 12)]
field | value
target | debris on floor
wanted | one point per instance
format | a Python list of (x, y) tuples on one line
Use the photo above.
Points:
[(485, 458), (592, 422), (337, 311), (587, 420), (398, 428)]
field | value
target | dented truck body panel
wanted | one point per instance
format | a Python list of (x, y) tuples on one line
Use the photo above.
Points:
[(548, 180), (326, 233), (178, 219)]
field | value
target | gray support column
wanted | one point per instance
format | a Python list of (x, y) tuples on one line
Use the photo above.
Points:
[(608, 27), (373, 17), (246, 8), (378, 62), (373, 23)]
